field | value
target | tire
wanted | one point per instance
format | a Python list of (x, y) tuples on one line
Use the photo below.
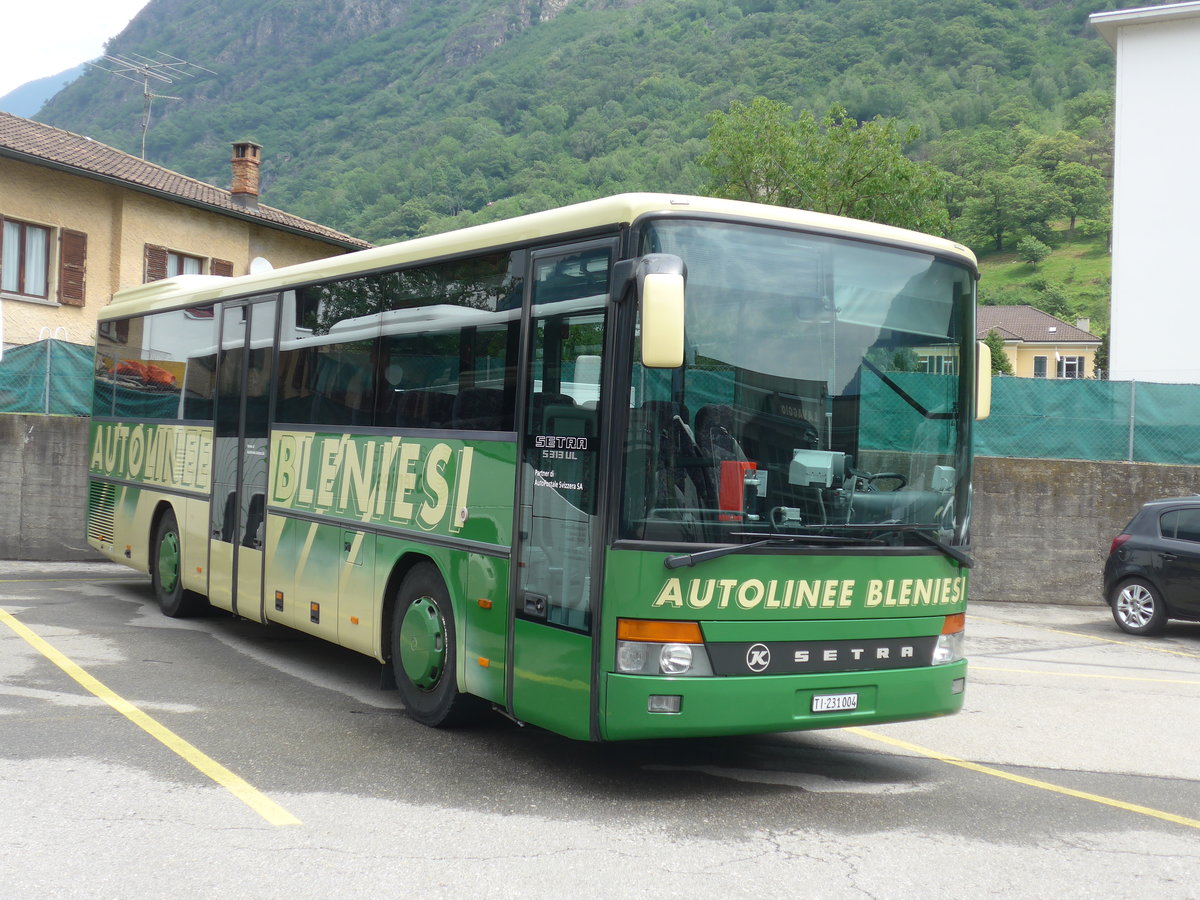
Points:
[(166, 572), (424, 652), (1138, 607)]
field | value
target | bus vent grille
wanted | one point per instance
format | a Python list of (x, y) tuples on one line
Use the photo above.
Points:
[(102, 504)]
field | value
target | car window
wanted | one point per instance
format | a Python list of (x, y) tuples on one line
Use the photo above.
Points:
[(1181, 524)]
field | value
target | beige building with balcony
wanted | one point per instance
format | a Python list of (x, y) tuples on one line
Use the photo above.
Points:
[(81, 220)]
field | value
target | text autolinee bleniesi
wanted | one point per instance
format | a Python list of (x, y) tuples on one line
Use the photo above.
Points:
[(169, 455), (833, 593), (397, 480)]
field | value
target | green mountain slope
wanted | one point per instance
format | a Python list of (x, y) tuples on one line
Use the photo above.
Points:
[(386, 117)]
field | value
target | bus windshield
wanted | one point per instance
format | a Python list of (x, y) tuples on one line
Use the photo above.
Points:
[(822, 394)]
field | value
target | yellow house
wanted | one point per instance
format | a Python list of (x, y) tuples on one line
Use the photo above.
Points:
[(81, 220), (1039, 345)]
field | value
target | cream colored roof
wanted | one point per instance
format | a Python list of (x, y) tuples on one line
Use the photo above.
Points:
[(592, 215)]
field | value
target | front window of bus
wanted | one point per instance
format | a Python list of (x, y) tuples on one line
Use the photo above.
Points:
[(821, 397)]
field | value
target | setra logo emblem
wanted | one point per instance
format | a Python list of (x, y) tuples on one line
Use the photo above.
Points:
[(758, 657)]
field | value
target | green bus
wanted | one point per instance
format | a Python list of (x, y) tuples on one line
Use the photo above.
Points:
[(646, 466)]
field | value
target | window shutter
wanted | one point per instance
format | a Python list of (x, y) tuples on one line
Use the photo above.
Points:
[(72, 267), (221, 267), (156, 263)]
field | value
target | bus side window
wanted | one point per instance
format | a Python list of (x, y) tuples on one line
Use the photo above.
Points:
[(479, 409)]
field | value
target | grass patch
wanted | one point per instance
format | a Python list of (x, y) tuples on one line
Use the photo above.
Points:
[(1079, 266)]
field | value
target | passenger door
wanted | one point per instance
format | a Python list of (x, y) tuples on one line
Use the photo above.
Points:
[(1179, 559), (557, 533), (240, 436)]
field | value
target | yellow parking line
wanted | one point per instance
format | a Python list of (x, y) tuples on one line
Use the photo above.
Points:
[(1030, 782), (978, 668), (260, 803), (1141, 644)]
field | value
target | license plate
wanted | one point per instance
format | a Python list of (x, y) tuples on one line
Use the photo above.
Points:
[(834, 702)]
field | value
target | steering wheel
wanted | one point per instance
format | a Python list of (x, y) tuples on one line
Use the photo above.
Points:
[(866, 480)]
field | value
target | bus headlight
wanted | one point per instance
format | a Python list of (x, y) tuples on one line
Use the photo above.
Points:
[(652, 647), (675, 659), (631, 656), (950, 642), (641, 658)]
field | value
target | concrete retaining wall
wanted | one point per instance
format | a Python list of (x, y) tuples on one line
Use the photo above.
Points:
[(1041, 531), (43, 488), (1042, 527)]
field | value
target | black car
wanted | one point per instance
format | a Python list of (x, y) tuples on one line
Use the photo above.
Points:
[(1153, 568)]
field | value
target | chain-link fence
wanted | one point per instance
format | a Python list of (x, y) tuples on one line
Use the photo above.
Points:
[(1094, 420), (50, 377)]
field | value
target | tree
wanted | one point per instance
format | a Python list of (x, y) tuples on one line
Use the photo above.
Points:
[(1001, 364), (1083, 188), (1053, 150), (1032, 250), (1063, 159), (1091, 115), (1100, 360), (761, 151), (1016, 200), (754, 152)]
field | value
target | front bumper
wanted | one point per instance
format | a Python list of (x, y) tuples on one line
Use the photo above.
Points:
[(769, 703)]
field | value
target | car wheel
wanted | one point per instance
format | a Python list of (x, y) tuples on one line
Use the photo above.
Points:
[(1138, 608), (423, 652)]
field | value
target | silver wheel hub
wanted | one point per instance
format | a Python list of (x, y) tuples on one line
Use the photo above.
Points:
[(1135, 605)]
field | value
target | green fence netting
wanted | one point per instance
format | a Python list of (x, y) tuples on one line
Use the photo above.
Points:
[(1031, 417), (1095, 420), (49, 377)]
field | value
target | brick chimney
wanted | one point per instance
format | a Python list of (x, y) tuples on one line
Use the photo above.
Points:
[(246, 157)]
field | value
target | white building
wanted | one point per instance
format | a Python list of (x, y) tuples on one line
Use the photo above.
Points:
[(1156, 193)]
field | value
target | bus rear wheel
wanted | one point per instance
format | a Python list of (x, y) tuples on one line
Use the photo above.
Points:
[(423, 652), (166, 572)]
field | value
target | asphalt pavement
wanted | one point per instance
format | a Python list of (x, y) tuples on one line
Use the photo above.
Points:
[(144, 756)]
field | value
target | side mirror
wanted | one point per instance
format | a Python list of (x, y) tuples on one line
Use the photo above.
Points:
[(660, 279), (983, 380), (662, 320)]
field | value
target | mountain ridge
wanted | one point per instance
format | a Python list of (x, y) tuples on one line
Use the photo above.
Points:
[(387, 119)]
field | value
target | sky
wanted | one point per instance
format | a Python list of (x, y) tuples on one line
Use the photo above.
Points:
[(45, 37)]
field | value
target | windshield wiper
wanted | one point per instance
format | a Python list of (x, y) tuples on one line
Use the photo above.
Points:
[(958, 554), (690, 559), (904, 395)]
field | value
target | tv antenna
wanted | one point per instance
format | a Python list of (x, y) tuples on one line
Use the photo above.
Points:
[(163, 68)]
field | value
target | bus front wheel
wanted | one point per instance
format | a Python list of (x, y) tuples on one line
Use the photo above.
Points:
[(423, 651), (166, 572)]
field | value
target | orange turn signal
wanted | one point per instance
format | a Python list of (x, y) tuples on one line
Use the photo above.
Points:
[(955, 623), (659, 632)]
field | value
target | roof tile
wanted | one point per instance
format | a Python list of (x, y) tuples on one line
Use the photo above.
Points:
[(1026, 323), (24, 138)]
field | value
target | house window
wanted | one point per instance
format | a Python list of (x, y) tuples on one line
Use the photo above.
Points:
[(178, 264), (160, 263), (1039, 367), (1070, 367), (25, 259), (938, 365)]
